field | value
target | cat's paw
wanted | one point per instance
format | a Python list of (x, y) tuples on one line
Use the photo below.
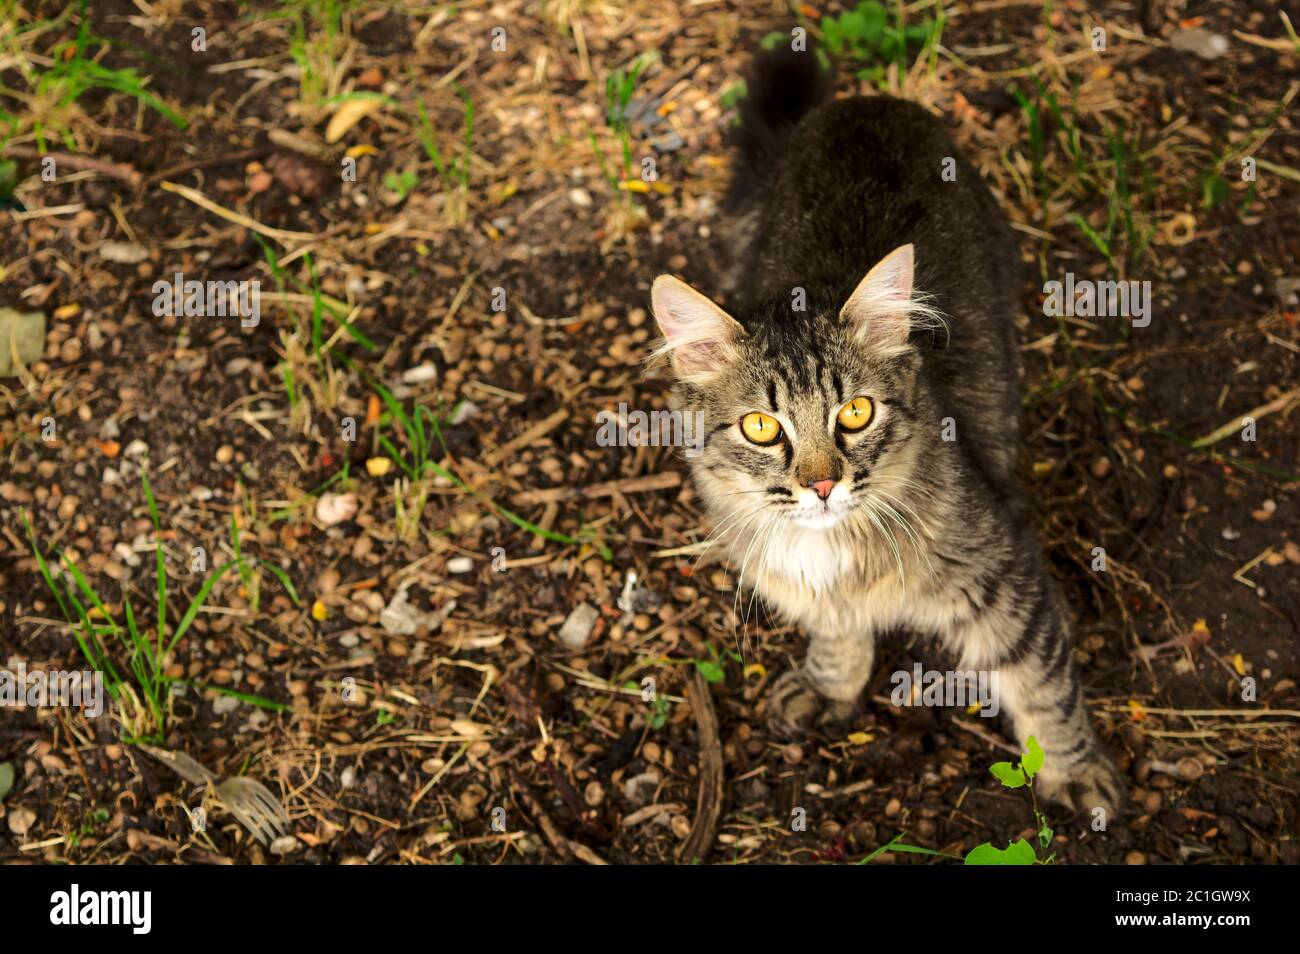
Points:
[(794, 707), (1091, 785)]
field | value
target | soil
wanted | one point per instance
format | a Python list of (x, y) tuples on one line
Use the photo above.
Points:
[(484, 738)]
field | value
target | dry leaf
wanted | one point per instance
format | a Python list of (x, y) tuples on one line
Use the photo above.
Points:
[(349, 113)]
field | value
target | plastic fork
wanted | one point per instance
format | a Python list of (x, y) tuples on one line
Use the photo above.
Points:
[(251, 802)]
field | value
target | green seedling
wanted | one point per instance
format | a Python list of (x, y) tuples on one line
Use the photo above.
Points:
[(52, 93), (1018, 852), (453, 174), (143, 696), (872, 37), (620, 174), (419, 430)]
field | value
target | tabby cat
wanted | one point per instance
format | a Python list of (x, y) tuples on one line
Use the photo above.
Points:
[(862, 436)]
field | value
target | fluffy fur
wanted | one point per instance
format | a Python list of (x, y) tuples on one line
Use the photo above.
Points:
[(925, 527)]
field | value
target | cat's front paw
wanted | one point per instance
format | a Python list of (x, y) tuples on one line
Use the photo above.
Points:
[(1088, 786), (794, 707)]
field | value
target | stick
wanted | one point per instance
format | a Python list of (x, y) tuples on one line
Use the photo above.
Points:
[(708, 805), (124, 171), (1277, 404), (208, 163), (610, 488), (539, 429), (203, 202)]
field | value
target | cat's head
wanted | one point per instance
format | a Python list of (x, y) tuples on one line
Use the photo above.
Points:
[(810, 416)]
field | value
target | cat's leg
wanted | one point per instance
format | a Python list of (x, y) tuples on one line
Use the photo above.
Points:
[(1020, 631), (823, 693)]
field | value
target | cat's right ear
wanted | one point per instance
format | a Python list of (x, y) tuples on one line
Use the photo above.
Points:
[(700, 338)]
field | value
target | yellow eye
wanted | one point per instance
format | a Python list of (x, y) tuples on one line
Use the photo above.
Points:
[(760, 428), (856, 415)]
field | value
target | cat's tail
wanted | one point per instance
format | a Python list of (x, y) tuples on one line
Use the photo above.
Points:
[(783, 85)]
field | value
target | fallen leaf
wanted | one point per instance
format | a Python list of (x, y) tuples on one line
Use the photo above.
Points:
[(349, 113)]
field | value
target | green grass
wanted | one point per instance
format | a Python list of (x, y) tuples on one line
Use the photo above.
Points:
[(306, 359), (250, 571), (316, 41), (143, 696), (419, 430), (53, 93), (453, 172), (1117, 174)]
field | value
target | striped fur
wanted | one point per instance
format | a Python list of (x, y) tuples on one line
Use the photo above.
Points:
[(925, 527)]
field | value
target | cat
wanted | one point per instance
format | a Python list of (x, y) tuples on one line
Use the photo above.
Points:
[(861, 435)]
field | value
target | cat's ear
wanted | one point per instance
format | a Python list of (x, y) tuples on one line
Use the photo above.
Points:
[(700, 338), (881, 310)]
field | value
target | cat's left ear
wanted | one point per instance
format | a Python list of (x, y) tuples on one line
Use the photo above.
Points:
[(700, 338), (880, 310)]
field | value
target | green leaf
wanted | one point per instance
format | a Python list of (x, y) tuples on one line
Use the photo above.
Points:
[(6, 779), (1214, 191), (1045, 835), (262, 703), (284, 580), (1019, 852), (1032, 761), (711, 671), (1007, 774), (852, 25), (872, 18), (833, 36), (1101, 244)]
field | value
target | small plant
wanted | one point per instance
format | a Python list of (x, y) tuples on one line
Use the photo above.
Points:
[(317, 43), (659, 712), (250, 572), (454, 174), (403, 183), (622, 179), (309, 377), (51, 98), (144, 698), (1018, 852), (712, 668), (867, 35), (419, 430)]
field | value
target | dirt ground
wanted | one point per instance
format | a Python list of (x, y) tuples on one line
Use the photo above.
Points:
[(504, 287)]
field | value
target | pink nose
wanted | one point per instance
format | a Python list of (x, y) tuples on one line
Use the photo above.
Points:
[(822, 488)]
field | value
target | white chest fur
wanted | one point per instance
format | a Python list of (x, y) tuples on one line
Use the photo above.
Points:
[(811, 559)]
